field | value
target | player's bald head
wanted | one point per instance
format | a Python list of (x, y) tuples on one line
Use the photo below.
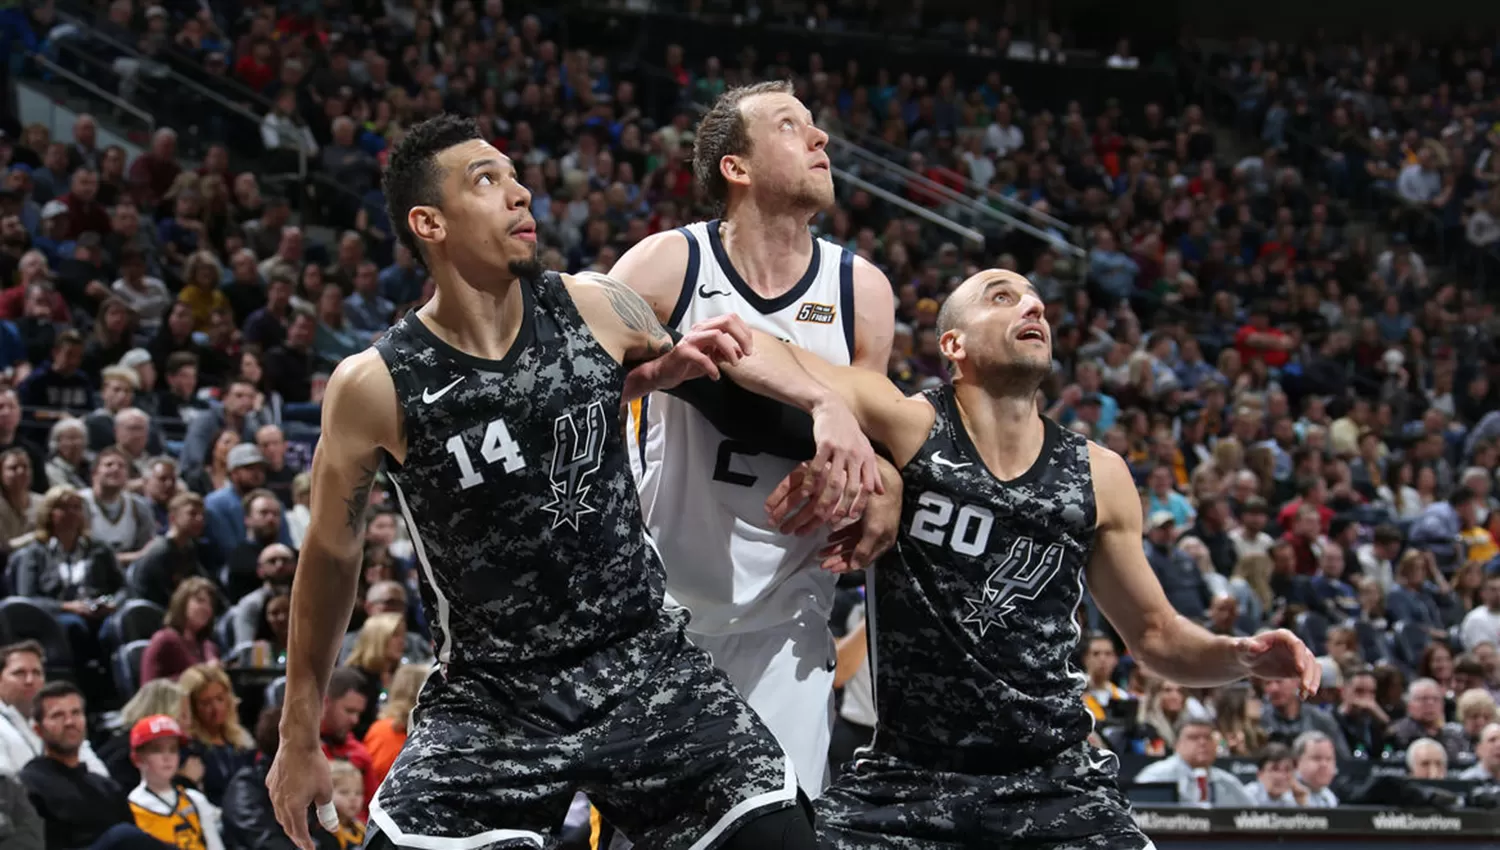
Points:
[(970, 292)]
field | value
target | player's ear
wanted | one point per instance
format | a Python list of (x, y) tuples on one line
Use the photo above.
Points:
[(951, 344), (735, 169), (427, 223)]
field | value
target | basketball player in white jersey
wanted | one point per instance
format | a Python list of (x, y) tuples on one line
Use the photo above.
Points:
[(759, 601)]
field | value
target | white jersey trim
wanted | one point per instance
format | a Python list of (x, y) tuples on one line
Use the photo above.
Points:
[(788, 791), (444, 610)]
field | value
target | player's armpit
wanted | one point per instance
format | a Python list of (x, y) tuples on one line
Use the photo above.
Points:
[(1125, 588), (361, 419)]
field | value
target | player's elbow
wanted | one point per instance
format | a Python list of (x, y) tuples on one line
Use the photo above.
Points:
[(1149, 639)]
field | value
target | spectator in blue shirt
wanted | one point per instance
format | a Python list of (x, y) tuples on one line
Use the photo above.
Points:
[(224, 509), (60, 383), (365, 310), (1337, 597), (1412, 599)]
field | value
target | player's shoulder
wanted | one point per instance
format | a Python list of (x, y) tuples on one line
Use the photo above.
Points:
[(656, 267), (1115, 491), (1107, 466), (360, 390)]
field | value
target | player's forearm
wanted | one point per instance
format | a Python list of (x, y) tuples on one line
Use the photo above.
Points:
[(325, 585), (1181, 651), (774, 370)]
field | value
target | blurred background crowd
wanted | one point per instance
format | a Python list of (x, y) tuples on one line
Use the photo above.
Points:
[(1269, 268)]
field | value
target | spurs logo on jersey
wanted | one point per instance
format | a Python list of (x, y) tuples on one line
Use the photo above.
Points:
[(1020, 577), (703, 494), (575, 457)]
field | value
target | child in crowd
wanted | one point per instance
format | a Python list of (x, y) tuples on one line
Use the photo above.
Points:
[(180, 816), (349, 800)]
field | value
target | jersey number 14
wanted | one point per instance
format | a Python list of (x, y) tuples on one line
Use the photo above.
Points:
[(496, 447)]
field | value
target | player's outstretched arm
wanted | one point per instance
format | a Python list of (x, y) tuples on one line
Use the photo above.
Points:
[(1130, 597), (806, 381), (360, 418)]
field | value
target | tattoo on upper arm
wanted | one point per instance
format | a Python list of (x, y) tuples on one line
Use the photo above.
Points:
[(635, 313), (358, 500)]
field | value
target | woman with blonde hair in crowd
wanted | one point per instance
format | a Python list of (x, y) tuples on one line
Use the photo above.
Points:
[(162, 696), (201, 276), (1250, 585), (1237, 714), (1475, 710), (213, 727), (387, 735), (1229, 458), (1164, 705), (376, 654), (18, 505)]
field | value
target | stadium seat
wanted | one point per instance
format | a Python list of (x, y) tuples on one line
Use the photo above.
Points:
[(1411, 640), (275, 692), (23, 619), (138, 619), (126, 666), (1313, 627)]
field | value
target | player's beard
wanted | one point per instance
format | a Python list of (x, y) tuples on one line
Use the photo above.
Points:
[(1020, 375), (527, 268)]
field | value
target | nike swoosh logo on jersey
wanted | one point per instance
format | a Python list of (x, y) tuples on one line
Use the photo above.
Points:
[(937, 458), (703, 292), (428, 396)]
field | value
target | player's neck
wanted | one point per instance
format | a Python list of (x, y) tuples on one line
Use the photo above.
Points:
[(771, 252), (1007, 430), (481, 321)]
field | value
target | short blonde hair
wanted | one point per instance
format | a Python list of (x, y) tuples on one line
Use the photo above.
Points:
[(343, 771), (1475, 701)]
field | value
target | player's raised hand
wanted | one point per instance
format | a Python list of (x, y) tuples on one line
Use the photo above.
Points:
[(1279, 654), (835, 484), (298, 780)]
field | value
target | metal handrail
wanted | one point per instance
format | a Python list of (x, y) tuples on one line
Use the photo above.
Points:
[(80, 17), (204, 91), (112, 99), (936, 188), (894, 199), (869, 140)]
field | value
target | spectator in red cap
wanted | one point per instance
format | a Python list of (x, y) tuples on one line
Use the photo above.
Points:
[(180, 816)]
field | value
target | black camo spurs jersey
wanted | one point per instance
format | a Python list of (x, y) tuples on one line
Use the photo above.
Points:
[(521, 506), (974, 624)]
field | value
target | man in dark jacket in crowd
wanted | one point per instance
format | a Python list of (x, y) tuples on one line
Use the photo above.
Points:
[(249, 821)]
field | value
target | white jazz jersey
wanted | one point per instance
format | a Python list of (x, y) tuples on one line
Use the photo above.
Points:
[(704, 501)]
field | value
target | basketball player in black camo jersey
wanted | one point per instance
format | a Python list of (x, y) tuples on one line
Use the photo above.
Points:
[(493, 408), (981, 736)]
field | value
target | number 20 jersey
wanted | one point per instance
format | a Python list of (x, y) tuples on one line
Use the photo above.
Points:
[(703, 497), (521, 508), (973, 623)]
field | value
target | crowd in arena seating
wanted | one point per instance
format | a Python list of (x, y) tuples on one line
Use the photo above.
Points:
[(1307, 398)]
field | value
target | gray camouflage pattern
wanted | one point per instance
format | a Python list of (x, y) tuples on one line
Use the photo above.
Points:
[(561, 669), (982, 725), (1073, 803)]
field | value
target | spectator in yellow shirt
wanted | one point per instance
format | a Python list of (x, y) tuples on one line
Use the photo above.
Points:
[(201, 276)]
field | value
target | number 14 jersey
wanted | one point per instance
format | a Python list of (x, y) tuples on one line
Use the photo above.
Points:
[(704, 495), (521, 508), (972, 612)]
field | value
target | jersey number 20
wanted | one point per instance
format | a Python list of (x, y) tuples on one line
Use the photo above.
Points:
[(970, 530), (496, 447)]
